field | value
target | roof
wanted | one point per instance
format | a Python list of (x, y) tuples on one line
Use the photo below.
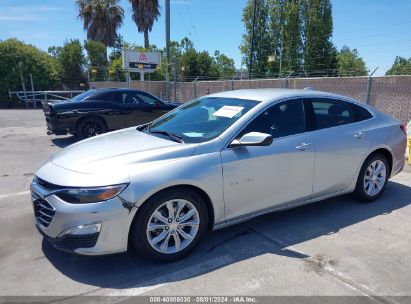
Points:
[(118, 89), (270, 94)]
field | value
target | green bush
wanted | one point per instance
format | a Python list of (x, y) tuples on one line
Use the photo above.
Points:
[(43, 67)]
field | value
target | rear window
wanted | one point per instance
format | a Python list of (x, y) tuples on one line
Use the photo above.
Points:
[(360, 113), (330, 113)]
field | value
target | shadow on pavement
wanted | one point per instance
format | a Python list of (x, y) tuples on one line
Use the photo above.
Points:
[(269, 234), (63, 142)]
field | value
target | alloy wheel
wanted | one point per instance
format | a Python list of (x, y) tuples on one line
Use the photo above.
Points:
[(173, 226), (91, 129), (375, 177)]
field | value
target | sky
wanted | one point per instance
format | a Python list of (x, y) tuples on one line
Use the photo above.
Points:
[(379, 29)]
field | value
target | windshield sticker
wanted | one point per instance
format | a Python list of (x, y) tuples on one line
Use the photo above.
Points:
[(228, 111), (194, 134)]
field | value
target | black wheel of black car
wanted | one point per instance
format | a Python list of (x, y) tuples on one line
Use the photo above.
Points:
[(169, 225), (372, 179), (90, 127)]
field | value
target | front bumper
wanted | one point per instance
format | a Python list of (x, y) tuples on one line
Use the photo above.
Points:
[(71, 243), (54, 217)]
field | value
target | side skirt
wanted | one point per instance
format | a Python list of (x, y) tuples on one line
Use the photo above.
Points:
[(252, 215)]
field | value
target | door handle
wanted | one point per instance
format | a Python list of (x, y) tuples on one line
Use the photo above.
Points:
[(359, 135), (303, 147)]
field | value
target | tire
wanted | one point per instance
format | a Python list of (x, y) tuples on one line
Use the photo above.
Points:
[(377, 182), (89, 127), (143, 239)]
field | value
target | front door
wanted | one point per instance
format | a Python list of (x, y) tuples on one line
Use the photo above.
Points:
[(261, 178), (143, 108)]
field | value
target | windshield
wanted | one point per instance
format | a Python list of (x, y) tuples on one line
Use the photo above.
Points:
[(202, 119), (84, 95)]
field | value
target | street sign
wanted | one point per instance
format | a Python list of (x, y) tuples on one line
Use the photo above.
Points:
[(141, 62)]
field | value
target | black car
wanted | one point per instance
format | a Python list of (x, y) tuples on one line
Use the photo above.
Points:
[(99, 110)]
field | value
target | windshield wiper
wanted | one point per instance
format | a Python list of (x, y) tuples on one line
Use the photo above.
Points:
[(173, 136)]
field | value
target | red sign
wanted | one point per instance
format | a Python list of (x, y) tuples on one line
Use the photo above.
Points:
[(143, 57)]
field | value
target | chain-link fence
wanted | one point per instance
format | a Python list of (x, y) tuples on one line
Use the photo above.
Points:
[(390, 94)]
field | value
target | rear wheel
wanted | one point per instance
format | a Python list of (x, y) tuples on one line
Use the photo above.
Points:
[(169, 225), (372, 179), (90, 127)]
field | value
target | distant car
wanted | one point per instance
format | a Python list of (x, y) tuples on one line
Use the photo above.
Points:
[(213, 162), (99, 110)]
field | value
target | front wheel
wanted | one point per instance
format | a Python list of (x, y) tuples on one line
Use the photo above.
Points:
[(372, 179), (169, 225)]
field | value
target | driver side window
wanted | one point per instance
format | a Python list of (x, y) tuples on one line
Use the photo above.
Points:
[(283, 119)]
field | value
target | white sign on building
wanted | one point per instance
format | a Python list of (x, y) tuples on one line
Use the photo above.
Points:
[(141, 62)]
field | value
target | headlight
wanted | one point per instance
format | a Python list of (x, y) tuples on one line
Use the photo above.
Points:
[(90, 195)]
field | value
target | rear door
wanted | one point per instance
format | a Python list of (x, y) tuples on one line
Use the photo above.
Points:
[(341, 143)]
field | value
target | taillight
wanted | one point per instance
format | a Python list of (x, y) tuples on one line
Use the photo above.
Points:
[(404, 129)]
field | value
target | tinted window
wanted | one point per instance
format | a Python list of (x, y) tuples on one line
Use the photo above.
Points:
[(142, 99), (331, 113), (148, 99), (360, 113), (84, 95), (132, 98), (116, 97), (280, 120)]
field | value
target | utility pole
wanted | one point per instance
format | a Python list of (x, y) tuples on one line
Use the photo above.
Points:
[(281, 53), (22, 82), (32, 91), (368, 89), (175, 77), (252, 41), (168, 49)]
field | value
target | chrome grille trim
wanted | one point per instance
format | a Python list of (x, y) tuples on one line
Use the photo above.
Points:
[(43, 211)]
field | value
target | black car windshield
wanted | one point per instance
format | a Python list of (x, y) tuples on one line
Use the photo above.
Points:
[(202, 119), (84, 95)]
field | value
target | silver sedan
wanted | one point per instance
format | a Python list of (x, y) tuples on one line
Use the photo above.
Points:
[(212, 162)]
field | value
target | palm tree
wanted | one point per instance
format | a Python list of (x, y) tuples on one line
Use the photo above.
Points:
[(101, 19), (145, 12)]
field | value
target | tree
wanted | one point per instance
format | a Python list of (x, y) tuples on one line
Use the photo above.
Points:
[(97, 60), (119, 45), (262, 37), (116, 71), (292, 52), (43, 67), (145, 12), (96, 53), (349, 63), (72, 62), (101, 19), (224, 65), (401, 66), (319, 52), (54, 51)]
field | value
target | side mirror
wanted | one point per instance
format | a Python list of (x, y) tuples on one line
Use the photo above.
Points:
[(253, 139)]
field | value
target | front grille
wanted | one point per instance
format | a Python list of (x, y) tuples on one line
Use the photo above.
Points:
[(43, 211)]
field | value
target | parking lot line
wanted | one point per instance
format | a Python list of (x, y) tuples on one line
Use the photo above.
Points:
[(2, 196)]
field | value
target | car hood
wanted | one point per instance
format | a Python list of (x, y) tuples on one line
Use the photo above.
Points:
[(118, 151)]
